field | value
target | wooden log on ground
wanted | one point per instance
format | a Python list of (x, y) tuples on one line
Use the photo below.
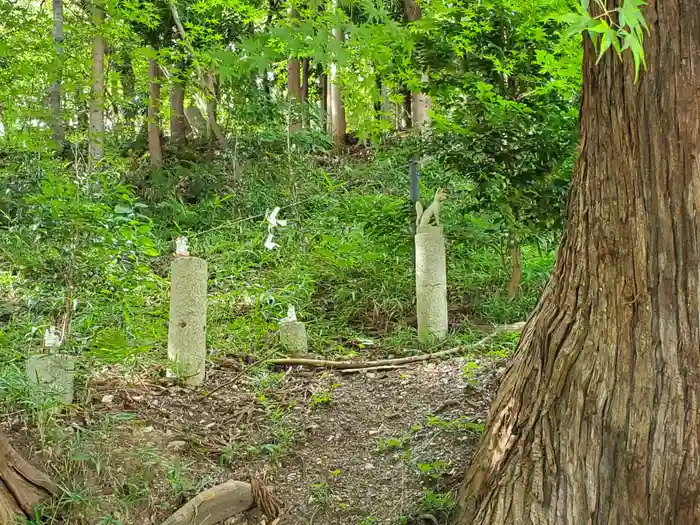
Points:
[(22, 486)]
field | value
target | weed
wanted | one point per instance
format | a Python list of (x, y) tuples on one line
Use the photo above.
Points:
[(393, 443), (322, 396), (461, 424), (435, 469), (438, 504)]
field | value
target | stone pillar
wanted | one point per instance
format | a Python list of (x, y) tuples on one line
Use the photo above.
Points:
[(52, 373), (188, 318), (431, 284), (293, 336)]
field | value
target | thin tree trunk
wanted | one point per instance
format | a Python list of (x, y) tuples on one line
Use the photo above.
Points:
[(213, 125), (207, 81), (178, 122), (597, 418), (294, 92), (22, 486), (406, 112), (97, 114), (420, 107), (154, 147), (337, 109), (516, 272), (323, 99), (305, 92), (59, 135), (420, 102), (128, 84), (304, 79), (294, 80)]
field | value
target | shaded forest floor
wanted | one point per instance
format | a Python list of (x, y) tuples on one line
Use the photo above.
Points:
[(359, 449), (376, 447)]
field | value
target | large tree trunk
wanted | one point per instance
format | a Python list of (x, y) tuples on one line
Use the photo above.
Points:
[(178, 122), (154, 147), (59, 135), (97, 112), (22, 486), (597, 418)]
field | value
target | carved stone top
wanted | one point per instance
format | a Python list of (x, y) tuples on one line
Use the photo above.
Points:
[(431, 212)]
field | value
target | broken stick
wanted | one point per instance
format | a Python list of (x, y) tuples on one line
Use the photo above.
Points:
[(354, 365)]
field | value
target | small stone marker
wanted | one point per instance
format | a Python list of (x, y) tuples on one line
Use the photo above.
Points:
[(431, 284), (188, 315), (53, 373), (293, 333)]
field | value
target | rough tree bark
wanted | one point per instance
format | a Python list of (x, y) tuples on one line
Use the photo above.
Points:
[(97, 99), (59, 135), (22, 486), (597, 417), (154, 147)]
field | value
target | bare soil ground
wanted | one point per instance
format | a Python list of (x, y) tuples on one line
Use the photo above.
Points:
[(337, 449)]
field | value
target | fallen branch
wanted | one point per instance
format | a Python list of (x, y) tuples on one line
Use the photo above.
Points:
[(370, 369), (357, 365)]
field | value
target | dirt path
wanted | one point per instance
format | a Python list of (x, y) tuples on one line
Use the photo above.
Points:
[(338, 449)]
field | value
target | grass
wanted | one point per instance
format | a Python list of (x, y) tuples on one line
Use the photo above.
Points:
[(343, 261)]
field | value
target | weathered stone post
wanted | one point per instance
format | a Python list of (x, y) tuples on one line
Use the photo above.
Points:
[(293, 333), (52, 372), (188, 315), (431, 283)]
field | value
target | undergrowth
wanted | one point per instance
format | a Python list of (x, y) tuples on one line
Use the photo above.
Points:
[(91, 251)]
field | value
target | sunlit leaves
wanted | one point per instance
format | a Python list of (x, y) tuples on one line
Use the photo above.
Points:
[(621, 28)]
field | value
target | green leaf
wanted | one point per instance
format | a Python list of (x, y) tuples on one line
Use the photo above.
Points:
[(122, 209), (608, 37), (601, 27)]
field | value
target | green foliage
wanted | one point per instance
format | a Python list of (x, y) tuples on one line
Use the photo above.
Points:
[(620, 27)]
